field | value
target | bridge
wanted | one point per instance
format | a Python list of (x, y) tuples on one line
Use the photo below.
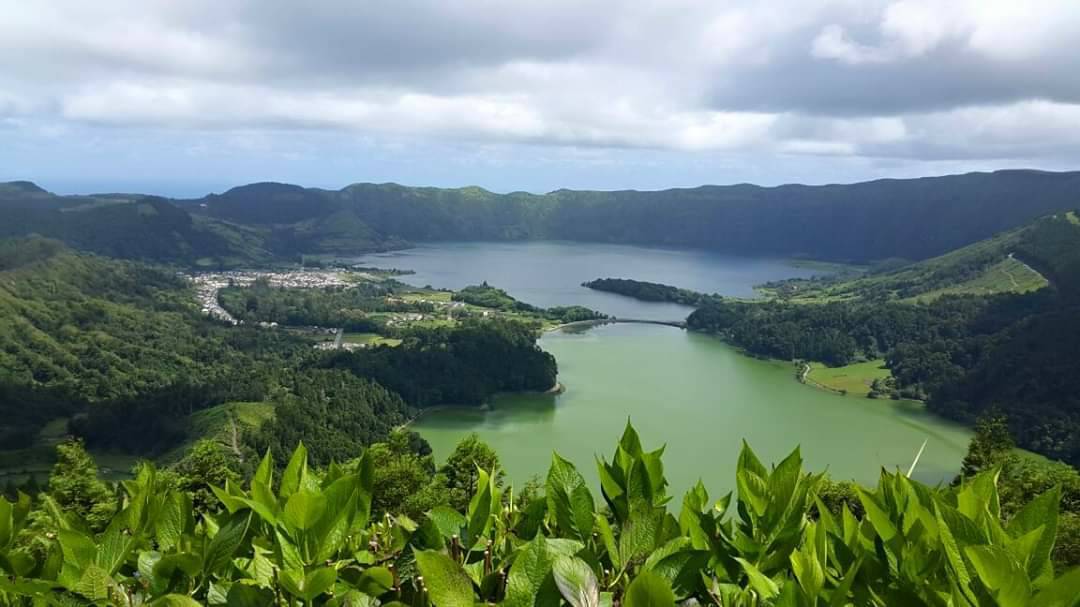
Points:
[(678, 324)]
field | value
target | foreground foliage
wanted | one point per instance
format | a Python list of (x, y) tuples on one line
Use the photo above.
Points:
[(309, 537)]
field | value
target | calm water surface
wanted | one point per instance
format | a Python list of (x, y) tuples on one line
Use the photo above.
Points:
[(690, 391), (550, 273)]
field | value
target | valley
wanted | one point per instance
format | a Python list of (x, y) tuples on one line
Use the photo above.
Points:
[(525, 346)]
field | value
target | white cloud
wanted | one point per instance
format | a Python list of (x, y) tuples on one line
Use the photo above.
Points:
[(884, 78)]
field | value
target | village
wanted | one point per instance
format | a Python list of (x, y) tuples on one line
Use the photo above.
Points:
[(443, 308), (207, 285)]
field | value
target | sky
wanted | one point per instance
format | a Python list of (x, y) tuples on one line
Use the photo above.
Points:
[(185, 98)]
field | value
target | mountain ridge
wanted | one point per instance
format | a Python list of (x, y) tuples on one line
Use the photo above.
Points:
[(912, 219)]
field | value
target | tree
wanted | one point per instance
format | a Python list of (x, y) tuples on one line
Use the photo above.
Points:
[(75, 487), (461, 469), (991, 446), (206, 464), (404, 476)]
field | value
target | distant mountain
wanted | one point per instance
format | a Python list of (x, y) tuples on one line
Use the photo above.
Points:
[(911, 219), (131, 226)]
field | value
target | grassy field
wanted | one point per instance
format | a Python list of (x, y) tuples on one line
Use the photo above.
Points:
[(1007, 276), (852, 379), (217, 423), (371, 339), (424, 295)]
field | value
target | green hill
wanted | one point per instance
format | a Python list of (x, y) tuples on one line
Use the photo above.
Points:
[(890, 218), (1020, 260), (131, 226), (910, 219)]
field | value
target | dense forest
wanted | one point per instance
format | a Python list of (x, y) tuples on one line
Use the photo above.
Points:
[(120, 350), (884, 219), (966, 355), (86, 333), (648, 291), (487, 296)]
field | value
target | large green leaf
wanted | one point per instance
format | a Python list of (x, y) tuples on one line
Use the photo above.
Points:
[(310, 585), (228, 539), (244, 595), (640, 534), (576, 581), (113, 546), (569, 498), (174, 519), (1002, 574), (447, 582), (264, 474), (1039, 512), (878, 515), (448, 521), (809, 571), (765, 587), (175, 600), (531, 582), (295, 472), (1062, 592), (480, 509), (304, 509), (7, 523), (649, 590)]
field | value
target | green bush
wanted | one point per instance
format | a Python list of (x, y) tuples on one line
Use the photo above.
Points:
[(309, 538)]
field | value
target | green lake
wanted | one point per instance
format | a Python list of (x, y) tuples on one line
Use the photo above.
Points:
[(702, 398), (692, 392)]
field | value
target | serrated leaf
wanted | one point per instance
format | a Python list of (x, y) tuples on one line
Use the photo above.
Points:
[(94, 583), (531, 581), (448, 521), (173, 519), (569, 498)]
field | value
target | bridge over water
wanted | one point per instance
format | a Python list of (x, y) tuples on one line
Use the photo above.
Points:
[(678, 324)]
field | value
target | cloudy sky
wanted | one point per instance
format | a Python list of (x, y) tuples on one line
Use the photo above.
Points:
[(193, 96)]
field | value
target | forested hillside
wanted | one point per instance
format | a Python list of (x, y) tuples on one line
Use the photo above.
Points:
[(967, 355), (118, 353), (131, 226), (83, 333), (892, 218)]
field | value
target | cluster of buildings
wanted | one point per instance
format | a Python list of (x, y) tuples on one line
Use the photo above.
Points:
[(208, 284)]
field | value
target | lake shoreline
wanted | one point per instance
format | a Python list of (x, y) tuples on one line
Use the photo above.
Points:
[(555, 390)]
